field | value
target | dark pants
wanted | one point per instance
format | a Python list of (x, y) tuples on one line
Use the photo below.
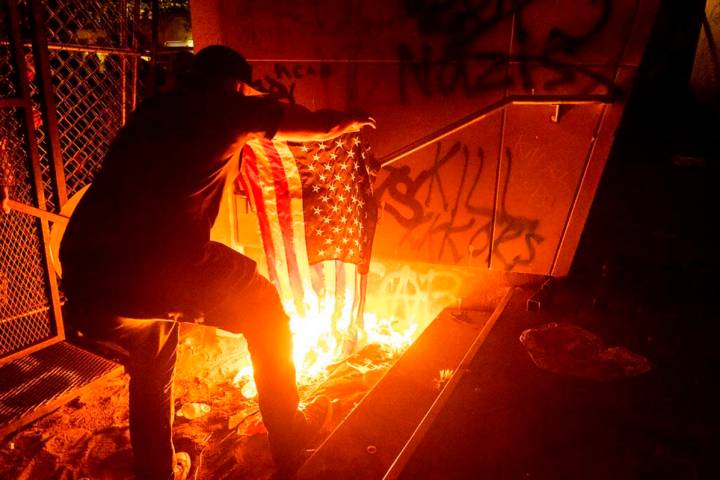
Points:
[(230, 295)]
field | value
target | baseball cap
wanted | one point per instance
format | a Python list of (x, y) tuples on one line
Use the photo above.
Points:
[(220, 62)]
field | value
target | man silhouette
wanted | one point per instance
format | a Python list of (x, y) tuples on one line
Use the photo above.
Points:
[(137, 250)]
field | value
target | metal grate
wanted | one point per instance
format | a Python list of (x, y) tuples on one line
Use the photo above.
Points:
[(24, 308), (40, 381), (87, 95)]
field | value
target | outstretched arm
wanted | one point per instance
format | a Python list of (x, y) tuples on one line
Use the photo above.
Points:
[(302, 125)]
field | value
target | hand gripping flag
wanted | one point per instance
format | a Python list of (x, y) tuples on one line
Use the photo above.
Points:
[(316, 215)]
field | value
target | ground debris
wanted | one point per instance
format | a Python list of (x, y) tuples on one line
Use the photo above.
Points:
[(193, 410), (89, 436), (570, 350)]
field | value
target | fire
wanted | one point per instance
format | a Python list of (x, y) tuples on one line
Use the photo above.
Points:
[(399, 306), (321, 339)]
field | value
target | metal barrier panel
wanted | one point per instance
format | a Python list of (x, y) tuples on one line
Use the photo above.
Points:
[(80, 73), (24, 305), (26, 318)]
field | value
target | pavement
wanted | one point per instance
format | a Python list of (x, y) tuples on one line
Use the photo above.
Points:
[(508, 419)]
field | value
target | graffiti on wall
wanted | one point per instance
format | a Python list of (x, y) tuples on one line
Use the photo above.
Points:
[(451, 54), (282, 81), (414, 294), (438, 205), (461, 27), (432, 213)]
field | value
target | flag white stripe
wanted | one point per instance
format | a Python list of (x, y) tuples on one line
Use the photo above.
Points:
[(297, 212), (267, 184)]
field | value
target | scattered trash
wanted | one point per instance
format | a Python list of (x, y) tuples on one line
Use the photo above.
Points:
[(542, 297), (90, 441), (570, 350), (443, 377), (688, 160), (193, 410)]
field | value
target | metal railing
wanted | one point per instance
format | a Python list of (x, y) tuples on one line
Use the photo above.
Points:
[(478, 115)]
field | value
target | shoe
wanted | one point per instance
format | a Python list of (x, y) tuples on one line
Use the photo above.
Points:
[(181, 470), (318, 415), (311, 421)]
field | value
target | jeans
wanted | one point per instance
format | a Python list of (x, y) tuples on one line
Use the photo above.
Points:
[(249, 305)]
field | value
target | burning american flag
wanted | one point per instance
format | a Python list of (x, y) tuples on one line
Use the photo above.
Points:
[(316, 215)]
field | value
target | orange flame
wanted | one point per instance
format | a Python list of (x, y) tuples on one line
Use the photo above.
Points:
[(400, 304)]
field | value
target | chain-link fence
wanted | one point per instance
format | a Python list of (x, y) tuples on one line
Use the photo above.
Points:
[(7, 73), (91, 65), (91, 68), (24, 304), (24, 308), (15, 157), (87, 95)]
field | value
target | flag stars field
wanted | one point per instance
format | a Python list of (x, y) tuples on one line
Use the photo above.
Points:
[(334, 195)]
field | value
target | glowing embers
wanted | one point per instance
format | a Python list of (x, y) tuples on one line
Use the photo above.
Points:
[(325, 337), (330, 326), (335, 349)]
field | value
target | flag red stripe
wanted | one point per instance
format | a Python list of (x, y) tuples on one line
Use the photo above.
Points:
[(252, 187), (282, 193), (317, 278)]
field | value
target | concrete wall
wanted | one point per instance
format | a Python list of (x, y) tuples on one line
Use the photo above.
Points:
[(509, 193)]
